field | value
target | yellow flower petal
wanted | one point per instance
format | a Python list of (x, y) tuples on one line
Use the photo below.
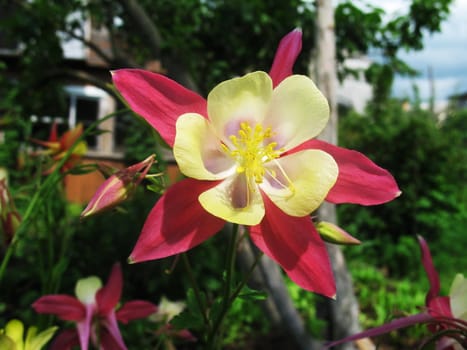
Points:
[(6, 343), (458, 296), (14, 329), (298, 112), (298, 183), (237, 100), (36, 341), (86, 289), (233, 201), (198, 151)]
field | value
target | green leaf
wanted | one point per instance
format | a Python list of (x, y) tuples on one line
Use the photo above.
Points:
[(188, 320), (251, 294)]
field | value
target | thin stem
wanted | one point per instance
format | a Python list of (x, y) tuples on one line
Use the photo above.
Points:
[(246, 278), (230, 264), (196, 289), (42, 194), (38, 197), (215, 335)]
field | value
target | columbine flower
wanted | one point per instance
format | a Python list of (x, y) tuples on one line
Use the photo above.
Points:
[(58, 147), (118, 187), (250, 158), (10, 219), (12, 337), (446, 316), (94, 311), (448, 312)]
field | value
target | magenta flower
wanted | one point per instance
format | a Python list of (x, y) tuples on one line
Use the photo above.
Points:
[(94, 311), (250, 158), (446, 316)]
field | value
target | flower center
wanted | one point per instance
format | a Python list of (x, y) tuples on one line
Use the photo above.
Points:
[(252, 151)]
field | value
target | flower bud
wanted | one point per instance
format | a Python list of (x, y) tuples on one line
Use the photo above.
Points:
[(334, 234), (118, 187), (10, 219)]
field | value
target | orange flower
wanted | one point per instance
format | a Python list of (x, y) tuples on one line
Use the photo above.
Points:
[(57, 147)]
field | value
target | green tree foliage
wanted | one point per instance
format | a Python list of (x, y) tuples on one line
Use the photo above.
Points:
[(428, 159), (212, 40), (363, 29)]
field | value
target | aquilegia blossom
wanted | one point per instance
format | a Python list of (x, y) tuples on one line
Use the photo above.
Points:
[(94, 311), (446, 316), (57, 147), (250, 158)]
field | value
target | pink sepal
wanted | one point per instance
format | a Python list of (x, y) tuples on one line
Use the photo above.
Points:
[(177, 222), (134, 310), (294, 243), (108, 296), (360, 181), (63, 306), (440, 307), (430, 270), (286, 54), (158, 99)]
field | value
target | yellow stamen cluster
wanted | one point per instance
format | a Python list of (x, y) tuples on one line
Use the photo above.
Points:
[(251, 151)]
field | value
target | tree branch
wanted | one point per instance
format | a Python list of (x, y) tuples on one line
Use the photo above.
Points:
[(154, 40), (79, 75)]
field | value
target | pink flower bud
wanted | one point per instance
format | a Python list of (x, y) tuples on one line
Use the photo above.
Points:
[(118, 187)]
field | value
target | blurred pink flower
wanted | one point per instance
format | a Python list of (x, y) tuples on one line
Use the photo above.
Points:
[(446, 316), (94, 311)]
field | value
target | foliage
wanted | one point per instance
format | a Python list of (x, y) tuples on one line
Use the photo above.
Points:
[(229, 36), (364, 29), (428, 160), (382, 299), (306, 305)]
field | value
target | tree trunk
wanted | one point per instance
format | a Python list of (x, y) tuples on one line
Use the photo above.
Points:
[(342, 313), (278, 306), (154, 41)]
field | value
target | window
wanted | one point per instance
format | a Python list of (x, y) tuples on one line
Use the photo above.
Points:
[(86, 104)]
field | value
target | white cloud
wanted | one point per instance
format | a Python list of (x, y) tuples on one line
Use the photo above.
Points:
[(445, 53), (443, 87)]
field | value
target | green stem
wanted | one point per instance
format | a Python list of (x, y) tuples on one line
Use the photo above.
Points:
[(196, 289), (42, 194), (36, 200), (230, 263), (246, 278), (215, 334), (231, 298)]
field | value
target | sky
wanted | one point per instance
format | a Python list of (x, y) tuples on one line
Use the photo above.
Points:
[(444, 52)]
